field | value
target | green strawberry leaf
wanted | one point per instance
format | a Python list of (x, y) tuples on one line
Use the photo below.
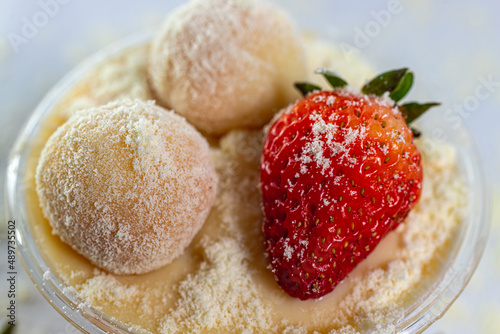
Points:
[(306, 88), (402, 88), (385, 82), (334, 80), (412, 110)]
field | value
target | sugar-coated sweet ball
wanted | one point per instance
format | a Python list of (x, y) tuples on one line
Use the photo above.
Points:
[(225, 64), (127, 185)]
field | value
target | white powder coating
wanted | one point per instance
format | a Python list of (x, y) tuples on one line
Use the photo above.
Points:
[(127, 185), (227, 271), (229, 291), (109, 82), (225, 64), (322, 138), (288, 251), (210, 301)]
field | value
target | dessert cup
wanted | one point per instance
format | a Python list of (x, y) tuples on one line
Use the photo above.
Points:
[(462, 258)]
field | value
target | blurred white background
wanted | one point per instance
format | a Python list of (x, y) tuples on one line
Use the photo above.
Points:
[(452, 46)]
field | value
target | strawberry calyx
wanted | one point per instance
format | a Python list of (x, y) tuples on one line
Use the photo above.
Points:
[(334, 80), (397, 83)]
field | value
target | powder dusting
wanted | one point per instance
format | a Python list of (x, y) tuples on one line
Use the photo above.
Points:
[(226, 64), (127, 184), (220, 296), (221, 284)]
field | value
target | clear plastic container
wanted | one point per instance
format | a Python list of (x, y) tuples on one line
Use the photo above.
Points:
[(429, 307)]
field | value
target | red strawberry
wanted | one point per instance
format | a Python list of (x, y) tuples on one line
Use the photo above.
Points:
[(339, 170)]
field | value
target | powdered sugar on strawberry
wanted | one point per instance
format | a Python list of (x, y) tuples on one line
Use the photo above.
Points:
[(324, 138), (338, 172)]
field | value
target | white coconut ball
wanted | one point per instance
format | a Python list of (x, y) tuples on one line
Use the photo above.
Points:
[(225, 64), (127, 185)]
